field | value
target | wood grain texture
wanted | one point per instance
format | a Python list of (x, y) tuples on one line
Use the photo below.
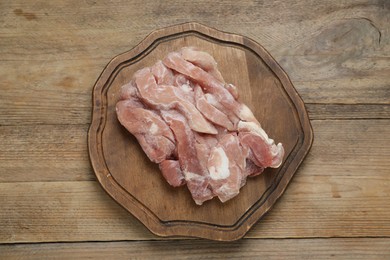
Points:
[(338, 248), (336, 54), (342, 189), (81, 211), (263, 86), (22, 144), (348, 111), (31, 153), (56, 60)]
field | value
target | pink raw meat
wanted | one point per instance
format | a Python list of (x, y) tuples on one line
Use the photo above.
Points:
[(129, 91), (165, 97), (171, 171), (195, 174), (211, 112), (151, 131), (189, 120), (226, 164), (209, 84), (206, 62), (162, 74), (202, 60), (266, 153)]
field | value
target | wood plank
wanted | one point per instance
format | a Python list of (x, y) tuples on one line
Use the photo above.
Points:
[(338, 162), (81, 211), (50, 62), (63, 211), (341, 189), (348, 111), (44, 153), (297, 24), (56, 60), (47, 92), (59, 152), (336, 248)]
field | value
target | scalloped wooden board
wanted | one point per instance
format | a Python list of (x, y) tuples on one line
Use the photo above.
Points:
[(128, 176)]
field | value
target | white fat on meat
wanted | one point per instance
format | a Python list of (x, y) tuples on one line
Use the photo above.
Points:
[(186, 88), (153, 129), (211, 99), (218, 164), (190, 176)]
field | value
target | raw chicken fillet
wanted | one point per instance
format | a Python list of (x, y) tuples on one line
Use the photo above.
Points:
[(188, 120)]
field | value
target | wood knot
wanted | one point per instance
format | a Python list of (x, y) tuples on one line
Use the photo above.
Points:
[(28, 16)]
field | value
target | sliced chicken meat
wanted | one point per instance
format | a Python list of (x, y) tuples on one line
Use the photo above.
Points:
[(209, 84), (226, 165), (189, 120), (195, 174), (165, 97), (206, 62), (153, 134), (162, 74), (128, 91), (171, 171), (210, 112), (265, 152), (203, 60)]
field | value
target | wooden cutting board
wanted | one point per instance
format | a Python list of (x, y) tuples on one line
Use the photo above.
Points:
[(134, 182)]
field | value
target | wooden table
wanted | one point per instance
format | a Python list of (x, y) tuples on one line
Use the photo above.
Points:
[(337, 56)]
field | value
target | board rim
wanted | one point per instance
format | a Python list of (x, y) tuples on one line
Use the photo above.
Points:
[(135, 207)]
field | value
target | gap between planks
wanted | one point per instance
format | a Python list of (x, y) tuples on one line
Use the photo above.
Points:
[(317, 206), (316, 111), (336, 191), (60, 152), (345, 248)]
